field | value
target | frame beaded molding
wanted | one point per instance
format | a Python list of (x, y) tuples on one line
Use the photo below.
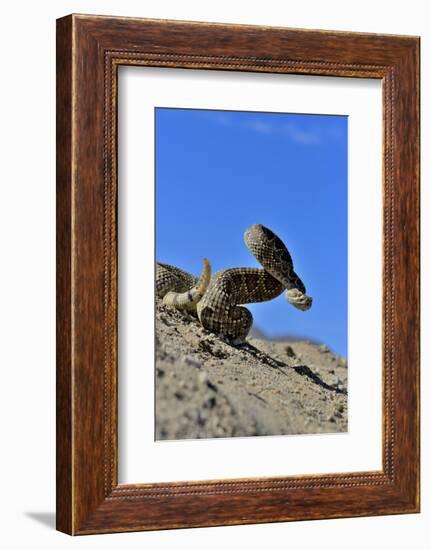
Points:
[(251, 64)]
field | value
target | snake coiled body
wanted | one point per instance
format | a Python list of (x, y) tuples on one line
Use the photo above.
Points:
[(218, 300)]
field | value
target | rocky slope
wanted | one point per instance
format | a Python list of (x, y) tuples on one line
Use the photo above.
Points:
[(206, 387)]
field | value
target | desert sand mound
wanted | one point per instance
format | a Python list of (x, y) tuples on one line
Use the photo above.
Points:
[(206, 387)]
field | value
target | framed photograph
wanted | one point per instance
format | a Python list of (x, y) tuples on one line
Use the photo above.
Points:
[(237, 274)]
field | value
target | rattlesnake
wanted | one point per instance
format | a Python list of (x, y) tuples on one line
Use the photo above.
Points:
[(217, 299)]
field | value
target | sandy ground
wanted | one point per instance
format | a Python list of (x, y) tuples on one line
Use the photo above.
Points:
[(206, 387)]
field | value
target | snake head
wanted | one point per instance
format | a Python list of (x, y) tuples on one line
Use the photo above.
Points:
[(298, 299)]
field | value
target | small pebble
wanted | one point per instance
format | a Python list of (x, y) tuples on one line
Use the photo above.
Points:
[(323, 348), (290, 352), (190, 361), (203, 377), (210, 403)]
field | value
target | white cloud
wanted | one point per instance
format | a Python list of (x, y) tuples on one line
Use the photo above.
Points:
[(220, 117), (304, 137), (291, 130), (261, 126)]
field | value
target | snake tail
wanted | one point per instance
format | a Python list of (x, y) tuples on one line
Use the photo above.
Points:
[(187, 300)]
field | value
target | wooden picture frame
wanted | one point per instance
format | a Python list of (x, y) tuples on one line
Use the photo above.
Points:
[(89, 51)]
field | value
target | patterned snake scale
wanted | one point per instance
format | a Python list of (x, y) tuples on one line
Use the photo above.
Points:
[(217, 300)]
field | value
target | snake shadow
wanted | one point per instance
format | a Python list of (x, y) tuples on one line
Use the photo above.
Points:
[(302, 370)]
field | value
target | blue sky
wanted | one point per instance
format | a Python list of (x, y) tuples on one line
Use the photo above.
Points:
[(218, 172)]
